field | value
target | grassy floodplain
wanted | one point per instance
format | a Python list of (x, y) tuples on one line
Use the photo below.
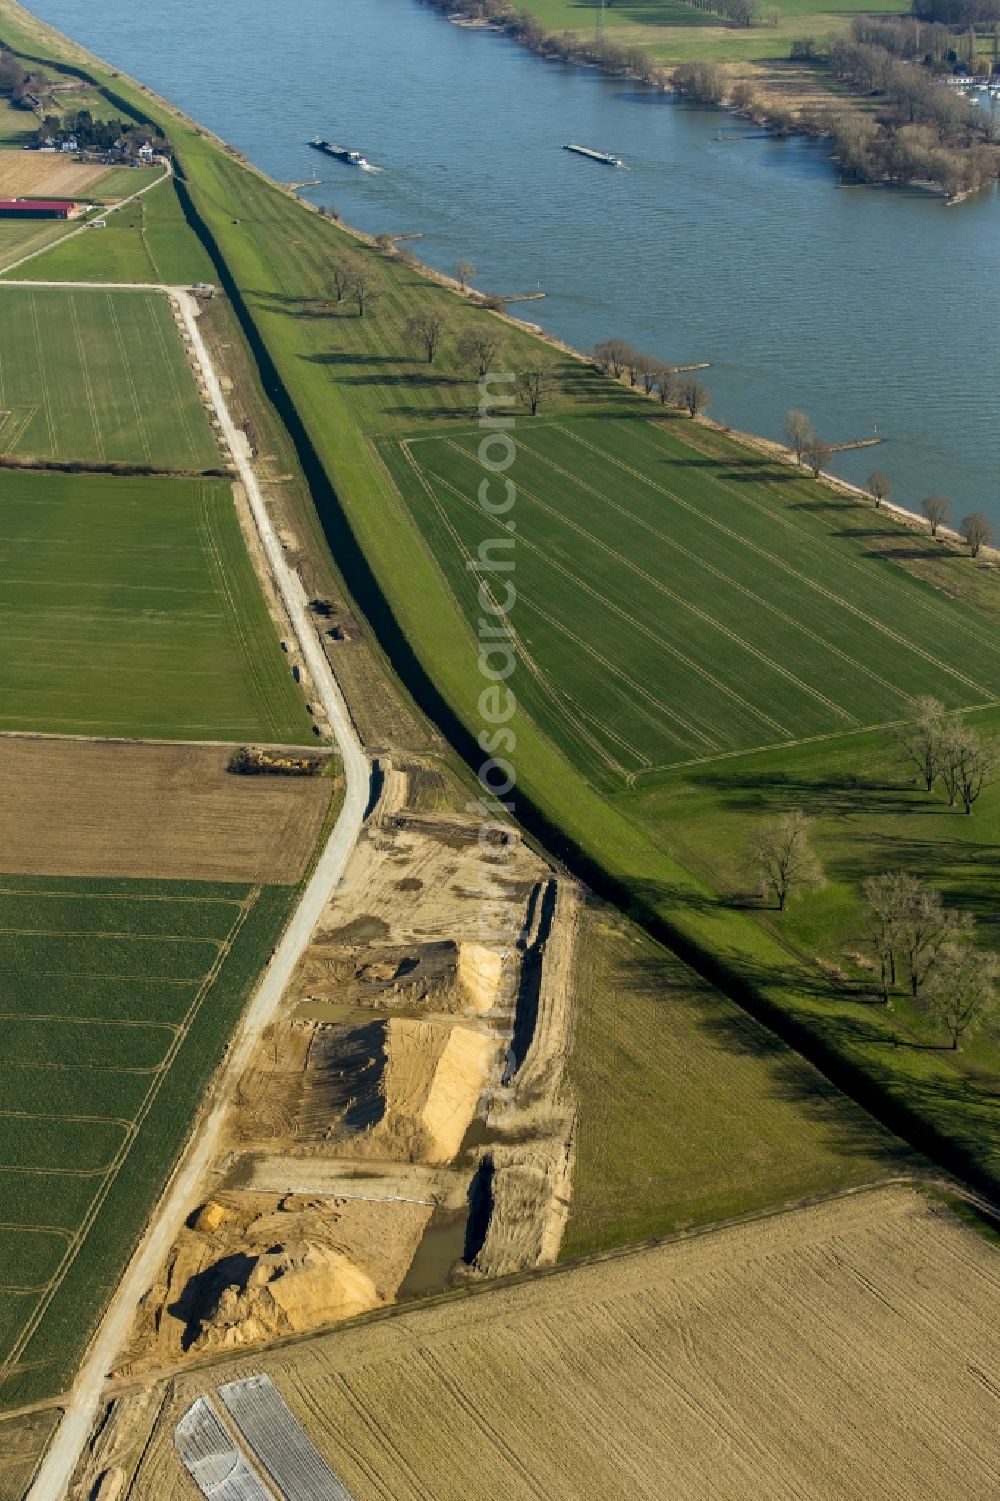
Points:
[(131, 609), (99, 377), (674, 608), (118, 997)]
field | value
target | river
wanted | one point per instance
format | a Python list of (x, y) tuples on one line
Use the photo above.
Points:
[(861, 306)]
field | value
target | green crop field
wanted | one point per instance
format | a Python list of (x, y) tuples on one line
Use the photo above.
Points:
[(16, 125), (101, 377), (671, 612), (130, 607), (116, 1000)]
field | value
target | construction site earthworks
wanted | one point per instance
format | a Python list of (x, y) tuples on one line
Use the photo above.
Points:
[(403, 1122)]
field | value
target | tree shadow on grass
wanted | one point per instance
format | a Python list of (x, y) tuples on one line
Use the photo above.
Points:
[(345, 357), (308, 308), (833, 795), (789, 1078), (419, 412), (903, 554)]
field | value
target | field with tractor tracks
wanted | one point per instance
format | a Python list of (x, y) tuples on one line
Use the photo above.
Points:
[(100, 377), (118, 997)]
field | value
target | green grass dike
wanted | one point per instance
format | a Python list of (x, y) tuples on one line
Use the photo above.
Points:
[(704, 636)]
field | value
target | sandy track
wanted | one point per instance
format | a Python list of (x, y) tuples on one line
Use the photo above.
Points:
[(832, 1353), (60, 1461)]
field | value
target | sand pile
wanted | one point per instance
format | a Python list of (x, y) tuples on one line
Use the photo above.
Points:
[(291, 1288), (481, 974), (431, 1084)]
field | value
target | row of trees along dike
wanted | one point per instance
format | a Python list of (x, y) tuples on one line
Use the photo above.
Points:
[(917, 945), (976, 529), (621, 360), (356, 284)]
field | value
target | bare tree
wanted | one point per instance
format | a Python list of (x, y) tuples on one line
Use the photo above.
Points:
[(879, 487), (977, 531), (694, 397), (481, 347), (966, 763), (423, 330), (385, 243), (887, 899), (534, 384), (926, 926), (962, 991), (633, 361), (783, 858), (647, 373), (922, 739), (818, 455), (365, 287), (465, 271), (799, 433), (666, 384), (937, 510), (610, 355), (342, 274)]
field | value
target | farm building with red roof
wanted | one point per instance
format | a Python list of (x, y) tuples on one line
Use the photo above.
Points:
[(39, 208)]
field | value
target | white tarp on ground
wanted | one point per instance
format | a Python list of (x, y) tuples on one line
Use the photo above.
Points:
[(212, 1459), (279, 1441)]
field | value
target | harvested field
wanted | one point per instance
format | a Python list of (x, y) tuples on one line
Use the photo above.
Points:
[(82, 808), (834, 1353), (36, 174), (118, 998), (101, 377)]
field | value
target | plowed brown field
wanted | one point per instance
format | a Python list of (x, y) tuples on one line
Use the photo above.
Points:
[(833, 1353), (173, 812), (32, 174)]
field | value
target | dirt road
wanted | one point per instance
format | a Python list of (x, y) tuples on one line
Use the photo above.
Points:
[(84, 1403)]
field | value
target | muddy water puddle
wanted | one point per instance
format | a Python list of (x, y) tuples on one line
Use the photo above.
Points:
[(441, 1248)]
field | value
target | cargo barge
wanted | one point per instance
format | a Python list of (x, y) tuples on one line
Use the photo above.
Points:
[(606, 158), (342, 153)]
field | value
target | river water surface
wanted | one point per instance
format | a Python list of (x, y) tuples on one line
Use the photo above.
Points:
[(862, 306)]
